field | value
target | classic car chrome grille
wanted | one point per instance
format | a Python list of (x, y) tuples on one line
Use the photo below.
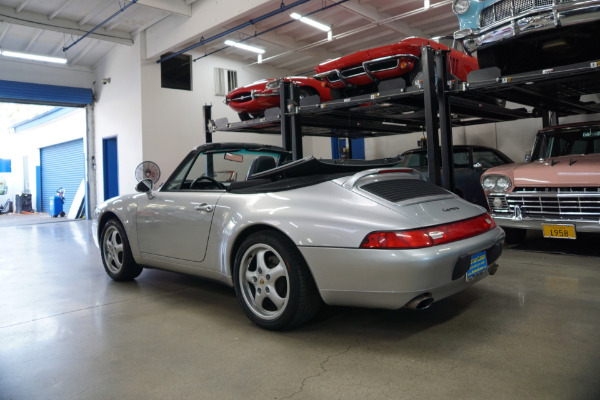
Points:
[(503, 206), (577, 203), (396, 190), (383, 65), (509, 8), (246, 96), (332, 77), (352, 72), (377, 66), (585, 189)]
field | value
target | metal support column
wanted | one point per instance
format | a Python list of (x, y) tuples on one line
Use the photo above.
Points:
[(90, 163), (291, 130), (549, 118), (286, 130), (431, 111), (441, 65), (207, 122), (295, 122)]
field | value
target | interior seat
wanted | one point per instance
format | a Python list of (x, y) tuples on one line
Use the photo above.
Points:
[(261, 164)]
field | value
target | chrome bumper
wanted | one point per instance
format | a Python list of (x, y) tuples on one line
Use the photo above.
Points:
[(565, 14), (366, 65), (274, 93), (535, 223)]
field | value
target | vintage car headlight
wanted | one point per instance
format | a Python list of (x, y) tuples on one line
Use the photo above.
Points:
[(503, 184), (496, 183), (272, 85), (460, 6), (489, 182)]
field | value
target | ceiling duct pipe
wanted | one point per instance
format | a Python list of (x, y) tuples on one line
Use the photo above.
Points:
[(273, 28), (283, 8), (100, 24)]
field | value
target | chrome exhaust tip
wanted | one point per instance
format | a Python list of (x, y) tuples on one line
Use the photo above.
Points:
[(421, 302), (492, 269)]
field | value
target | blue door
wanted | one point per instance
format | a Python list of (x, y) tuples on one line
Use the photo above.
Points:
[(111, 167), (341, 150)]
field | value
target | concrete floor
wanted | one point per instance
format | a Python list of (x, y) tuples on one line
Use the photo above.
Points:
[(67, 331)]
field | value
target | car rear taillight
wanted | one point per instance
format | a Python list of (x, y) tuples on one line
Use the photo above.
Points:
[(430, 236)]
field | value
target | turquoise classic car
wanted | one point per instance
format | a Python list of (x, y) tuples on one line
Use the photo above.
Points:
[(525, 35)]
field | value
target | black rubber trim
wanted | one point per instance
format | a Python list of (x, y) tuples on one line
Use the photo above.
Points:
[(464, 262)]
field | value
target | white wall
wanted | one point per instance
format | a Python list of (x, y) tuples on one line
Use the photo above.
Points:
[(118, 113), (173, 120)]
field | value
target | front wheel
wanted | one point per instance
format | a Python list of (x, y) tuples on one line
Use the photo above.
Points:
[(273, 283), (116, 253), (305, 92), (246, 116)]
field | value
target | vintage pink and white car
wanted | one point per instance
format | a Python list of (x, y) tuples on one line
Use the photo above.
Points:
[(400, 59), (252, 100), (557, 191)]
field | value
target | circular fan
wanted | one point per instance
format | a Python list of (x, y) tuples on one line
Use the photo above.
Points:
[(147, 170)]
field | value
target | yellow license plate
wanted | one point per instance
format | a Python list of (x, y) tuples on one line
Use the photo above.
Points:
[(559, 231)]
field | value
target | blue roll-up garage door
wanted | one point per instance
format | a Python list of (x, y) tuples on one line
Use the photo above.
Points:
[(61, 165), (34, 93)]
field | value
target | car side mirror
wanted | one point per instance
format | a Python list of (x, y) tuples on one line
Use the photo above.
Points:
[(477, 166), (528, 157), (145, 186)]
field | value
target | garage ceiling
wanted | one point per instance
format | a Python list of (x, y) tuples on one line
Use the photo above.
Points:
[(47, 27)]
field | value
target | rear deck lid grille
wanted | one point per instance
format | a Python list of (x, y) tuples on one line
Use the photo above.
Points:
[(396, 190)]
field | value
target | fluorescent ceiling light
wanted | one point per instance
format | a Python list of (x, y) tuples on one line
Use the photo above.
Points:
[(244, 46), (33, 57), (311, 22)]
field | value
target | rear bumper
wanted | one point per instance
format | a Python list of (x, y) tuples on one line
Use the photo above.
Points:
[(510, 221), (562, 15), (392, 278)]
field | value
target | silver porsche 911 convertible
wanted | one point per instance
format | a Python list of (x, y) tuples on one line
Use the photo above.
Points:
[(290, 235)]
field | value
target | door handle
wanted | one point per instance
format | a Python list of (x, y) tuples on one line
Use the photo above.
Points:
[(204, 207)]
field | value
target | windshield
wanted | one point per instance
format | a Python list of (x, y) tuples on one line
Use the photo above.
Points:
[(201, 171), (568, 142)]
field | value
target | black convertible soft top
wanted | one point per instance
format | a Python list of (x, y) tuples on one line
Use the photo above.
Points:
[(304, 172)]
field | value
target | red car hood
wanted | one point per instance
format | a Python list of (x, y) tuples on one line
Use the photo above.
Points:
[(410, 45), (566, 171)]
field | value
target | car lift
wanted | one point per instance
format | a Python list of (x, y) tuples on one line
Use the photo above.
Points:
[(434, 105)]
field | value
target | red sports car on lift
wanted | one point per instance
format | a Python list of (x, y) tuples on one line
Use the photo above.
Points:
[(368, 67), (252, 100)]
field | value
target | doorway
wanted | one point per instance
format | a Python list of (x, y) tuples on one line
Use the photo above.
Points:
[(111, 167), (342, 148)]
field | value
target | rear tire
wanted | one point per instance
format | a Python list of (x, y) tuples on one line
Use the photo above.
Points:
[(273, 283), (116, 253), (515, 235)]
